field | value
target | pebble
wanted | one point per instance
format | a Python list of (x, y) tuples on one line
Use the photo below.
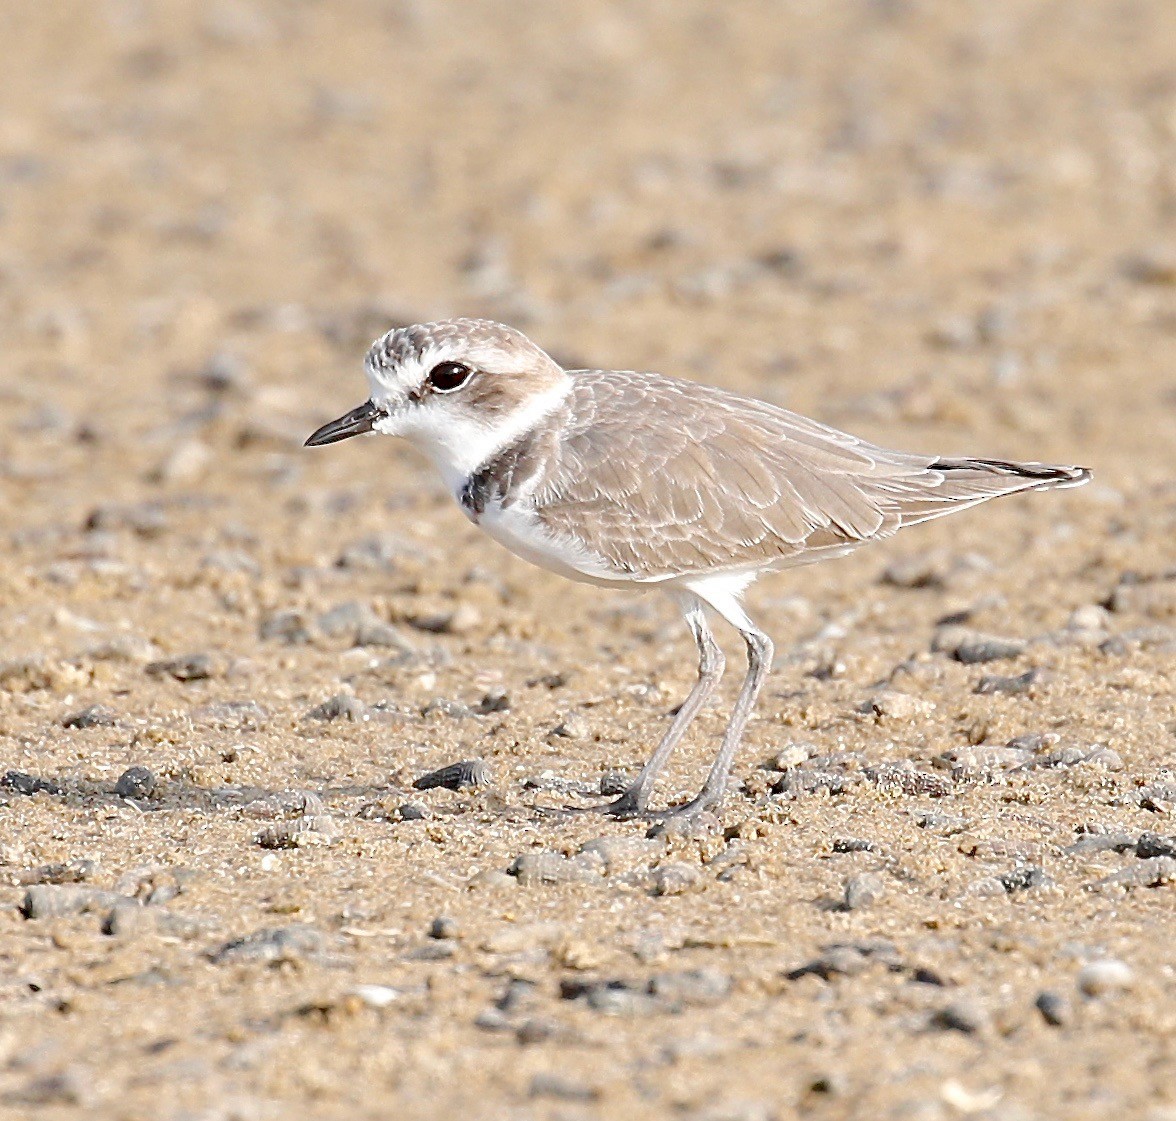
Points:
[(186, 667), (463, 619), (93, 716), (863, 890), (562, 1088), (445, 927), (27, 784), (890, 704), (675, 878), (147, 519), (413, 811), (691, 987), (69, 872), (314, 826), (1021, 879), (532, 868), (985, 760), (847, 959), (1153, 872), (271, 944), (967, 1016), (792, 756), (903, 778), (517, 938), (136, 782), (1054, 1008), (1015, 686), (376, 996), (1102, 978), (570, 728), (45, 901), (614, 783), (619, 851), (124, 919), (1152, 845), (455, 776), (345, 619), (491, 879), (342, 706), (972, 647), (288, 627)]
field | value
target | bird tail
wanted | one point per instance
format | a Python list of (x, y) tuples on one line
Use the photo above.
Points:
[(950, 484)]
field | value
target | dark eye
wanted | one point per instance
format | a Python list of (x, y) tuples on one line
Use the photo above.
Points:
[(448, 376)]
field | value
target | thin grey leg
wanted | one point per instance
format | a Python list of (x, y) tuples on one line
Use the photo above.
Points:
[(759, 663), (711, 664)]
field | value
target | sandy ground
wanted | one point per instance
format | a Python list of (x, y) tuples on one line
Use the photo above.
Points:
[(943, 886)]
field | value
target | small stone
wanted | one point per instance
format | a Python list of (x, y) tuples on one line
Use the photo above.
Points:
[(550, 868), (675, 878), (187, 667), (972, 647), (890, 704), (691, 987), (455, 776), (490, 879), (792, 756), (288, 627), (523, 937), (342, 706), (1021, 879), (54, 900), (376, 996), (863, 891), (26, 784), (1151, 845), (185, 463), (413, 811), (1089, 617), (614, 783), (68, 872), (345, 619), (1054, 1008), (1104, 978), (1016, 686), (1153, 872), (135, 782), (271, 944), (619, 851), (1154, 265), (93, 716), (445, 927), (124, 919), (962, 1015), (562, 1088), (902, 778), (570, 728)]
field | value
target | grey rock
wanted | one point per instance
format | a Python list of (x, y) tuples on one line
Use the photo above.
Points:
[(1021, 879), (288, 627), (1151, 845), (1154, 872), (1054, 1008), (342, 706), (675, 878), (27, 784), (903, 778), (445, 927), (1104, 978), (93, 716), (186, 667), (136, 782), (973, 647), (45, 901), (271, 944), (413, 811), (562, 1088), (691, 987), (1016, 686), (963, 1015), (455, 776), (533, 868), (863, 890)]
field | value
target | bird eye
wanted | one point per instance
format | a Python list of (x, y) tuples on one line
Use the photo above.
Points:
[(445, 377)]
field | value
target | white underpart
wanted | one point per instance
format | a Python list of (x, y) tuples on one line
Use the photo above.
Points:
[(723, 591)]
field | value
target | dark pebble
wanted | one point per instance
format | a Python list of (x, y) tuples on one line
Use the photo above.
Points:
[(270, 945), (342, 706), (1021, 879), (1012, 686), (288, 627), (1152, 844), (694, 987), (187, 667), (53, 900), (557, 1086), (94, 716), (70, 872), (456, 776), (135, 782), (853, 844), (1054, 1008), (412, 811), (962, 1016), (444, 926), (28, 784)]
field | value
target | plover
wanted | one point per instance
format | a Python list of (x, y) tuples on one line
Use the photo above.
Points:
[(635, 480)]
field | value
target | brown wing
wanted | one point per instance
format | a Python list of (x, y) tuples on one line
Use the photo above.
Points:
[(660, 477)]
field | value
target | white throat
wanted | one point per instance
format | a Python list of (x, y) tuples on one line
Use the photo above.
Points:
[(459, 445)]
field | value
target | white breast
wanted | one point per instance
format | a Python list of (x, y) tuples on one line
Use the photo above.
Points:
[(517, 528)]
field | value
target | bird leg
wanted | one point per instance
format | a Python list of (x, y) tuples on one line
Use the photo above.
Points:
[(759, 663), (711, 663)]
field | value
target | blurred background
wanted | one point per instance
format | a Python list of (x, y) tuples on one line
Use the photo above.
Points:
[(946, 227)]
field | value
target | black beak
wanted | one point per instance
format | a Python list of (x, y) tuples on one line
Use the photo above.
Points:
[(354, 423)]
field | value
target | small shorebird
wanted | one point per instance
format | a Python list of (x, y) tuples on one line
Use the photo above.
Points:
[(636, 480)]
